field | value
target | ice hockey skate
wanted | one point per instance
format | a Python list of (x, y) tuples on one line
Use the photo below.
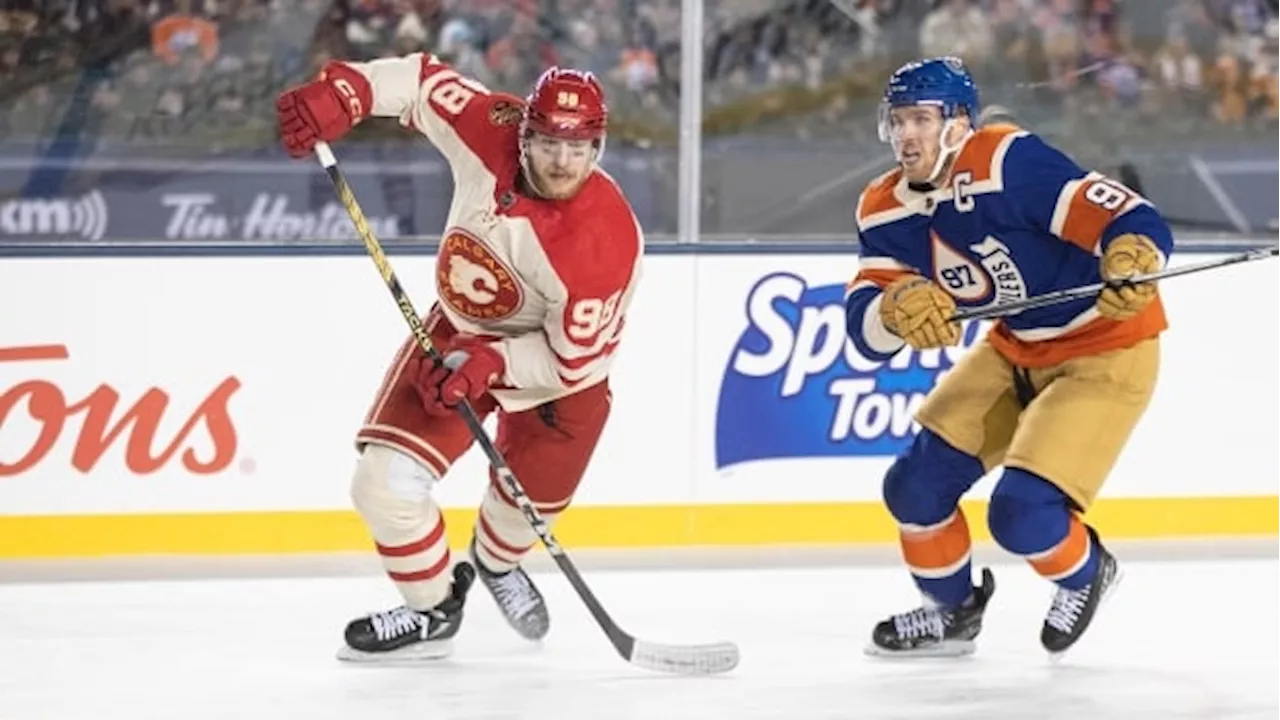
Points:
[(517, 597), (404, 634), (1072, 610), (932, 631)]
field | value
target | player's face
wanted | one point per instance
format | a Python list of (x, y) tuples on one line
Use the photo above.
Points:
[(916, 133), (560, 166)]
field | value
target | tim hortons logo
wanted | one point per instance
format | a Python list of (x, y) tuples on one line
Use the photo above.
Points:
[(473, 281), (101, 427)]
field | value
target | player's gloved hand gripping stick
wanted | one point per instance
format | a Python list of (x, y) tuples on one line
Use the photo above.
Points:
[(681, 659), (1084, 291)]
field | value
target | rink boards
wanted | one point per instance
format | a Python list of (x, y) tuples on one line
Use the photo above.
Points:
[(207, 405)]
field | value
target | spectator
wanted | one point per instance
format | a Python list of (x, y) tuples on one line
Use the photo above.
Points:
[(1180, 75), (214, 67), (638, 66), (960, 28), (182, 32), (1229, 84)]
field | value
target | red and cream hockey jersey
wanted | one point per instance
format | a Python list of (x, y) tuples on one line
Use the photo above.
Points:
[(549, 280)]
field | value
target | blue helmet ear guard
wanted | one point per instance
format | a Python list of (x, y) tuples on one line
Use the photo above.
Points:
[(942, 82)]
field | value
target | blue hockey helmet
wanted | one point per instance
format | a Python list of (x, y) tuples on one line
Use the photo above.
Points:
[(943, 82)]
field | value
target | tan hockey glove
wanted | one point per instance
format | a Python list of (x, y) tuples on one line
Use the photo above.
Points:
[(917, 310), (1126, 256)]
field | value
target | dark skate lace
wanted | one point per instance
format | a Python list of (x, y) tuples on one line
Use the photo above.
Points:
[(399, 622), (921, 622), (514, 593), (1066, 608)]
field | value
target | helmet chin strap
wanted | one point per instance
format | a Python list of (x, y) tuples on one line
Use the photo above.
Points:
[(946, 152), (527, 172)]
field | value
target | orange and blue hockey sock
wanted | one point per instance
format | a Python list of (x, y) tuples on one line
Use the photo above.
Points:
[(922, 490), (938, 557), (1032, 517)]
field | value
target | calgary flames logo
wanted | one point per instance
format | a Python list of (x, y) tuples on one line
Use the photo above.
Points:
[(473, 282)]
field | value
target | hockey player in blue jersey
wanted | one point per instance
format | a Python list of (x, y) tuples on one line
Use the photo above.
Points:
[(974, 216)]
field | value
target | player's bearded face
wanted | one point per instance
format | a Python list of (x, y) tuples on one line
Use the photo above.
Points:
[(559, 166), (916, 134)]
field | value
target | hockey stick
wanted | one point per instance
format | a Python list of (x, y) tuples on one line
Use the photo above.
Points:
[(1084, 291), (680, 659)]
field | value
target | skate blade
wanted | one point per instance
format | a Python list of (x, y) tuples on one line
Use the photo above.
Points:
[(416, 653), (532, 631), (944, 649), (533, 636), (1056, 657)]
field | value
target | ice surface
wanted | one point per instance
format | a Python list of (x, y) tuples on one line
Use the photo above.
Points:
[(1177, 640)]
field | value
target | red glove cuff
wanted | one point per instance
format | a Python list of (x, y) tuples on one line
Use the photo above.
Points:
[(353, 89)]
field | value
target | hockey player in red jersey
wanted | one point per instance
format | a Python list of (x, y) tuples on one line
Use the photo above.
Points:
[(978, 216), (535, 273)]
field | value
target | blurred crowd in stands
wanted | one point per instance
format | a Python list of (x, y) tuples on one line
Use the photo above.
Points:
[(208, 70)]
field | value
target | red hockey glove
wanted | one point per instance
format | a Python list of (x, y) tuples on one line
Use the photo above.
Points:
[(470, 367), (324, 109)]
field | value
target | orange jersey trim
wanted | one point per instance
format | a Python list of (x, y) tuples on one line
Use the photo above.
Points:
[(879, 278), (1101, 335), (979, 158), (1087, 206), (880, 196)]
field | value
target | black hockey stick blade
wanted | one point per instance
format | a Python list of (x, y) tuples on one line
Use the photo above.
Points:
[(1084, 291), (679, 659)]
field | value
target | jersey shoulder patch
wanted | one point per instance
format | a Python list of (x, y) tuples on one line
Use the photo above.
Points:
[(489, 126), (505, 110)]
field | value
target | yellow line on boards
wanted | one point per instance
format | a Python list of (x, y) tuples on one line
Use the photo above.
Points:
[(596, 526)]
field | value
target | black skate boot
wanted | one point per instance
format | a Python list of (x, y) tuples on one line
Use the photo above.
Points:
[(930, 631), (403, 633), (1072, 610), (517, 597)]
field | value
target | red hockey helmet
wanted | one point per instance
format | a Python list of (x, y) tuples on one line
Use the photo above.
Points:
[(567, 104)]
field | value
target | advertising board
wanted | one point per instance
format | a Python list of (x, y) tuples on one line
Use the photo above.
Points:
[(246, 198), (155, 405)]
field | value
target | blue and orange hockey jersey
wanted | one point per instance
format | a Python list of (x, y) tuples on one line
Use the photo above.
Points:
[(1019, 218)]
